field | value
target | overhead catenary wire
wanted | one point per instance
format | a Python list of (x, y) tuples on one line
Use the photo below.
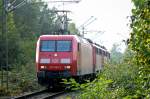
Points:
[(90, 22), (86, 23), (13, 2), (65, 1), (13, 7)]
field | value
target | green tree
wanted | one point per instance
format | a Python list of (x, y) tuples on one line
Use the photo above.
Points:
[(139, 42), (72, 28), (116, 55), (140, 37), (50, 22), (12, 36), (27, 19), (1, 55)]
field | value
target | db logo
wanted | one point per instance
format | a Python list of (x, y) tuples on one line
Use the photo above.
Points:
[(55, 54), (55, 61)]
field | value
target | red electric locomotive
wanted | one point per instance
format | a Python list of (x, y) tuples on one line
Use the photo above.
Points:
[(63, 56)]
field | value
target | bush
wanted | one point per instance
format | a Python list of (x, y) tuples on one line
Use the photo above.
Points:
[(115, 81)]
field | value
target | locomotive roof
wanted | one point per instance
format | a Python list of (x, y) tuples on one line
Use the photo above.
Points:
[(78, 38), (44, 36), (65, 36)]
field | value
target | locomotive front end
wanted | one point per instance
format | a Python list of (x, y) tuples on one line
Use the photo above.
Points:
[(55, 58)]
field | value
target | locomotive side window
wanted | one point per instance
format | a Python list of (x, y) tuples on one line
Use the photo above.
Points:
[(96, 50), (48, 46), (63, 46), (100, 52), (79, 46)]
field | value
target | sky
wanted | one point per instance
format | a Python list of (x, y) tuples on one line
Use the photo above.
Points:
[(111, 19)]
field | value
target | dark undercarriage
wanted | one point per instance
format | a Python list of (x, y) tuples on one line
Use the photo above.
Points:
[(53, 80)]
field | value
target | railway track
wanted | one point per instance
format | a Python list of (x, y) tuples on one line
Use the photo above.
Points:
[(44, 94)]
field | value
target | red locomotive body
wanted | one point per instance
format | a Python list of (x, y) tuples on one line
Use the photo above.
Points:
[(63, 56)]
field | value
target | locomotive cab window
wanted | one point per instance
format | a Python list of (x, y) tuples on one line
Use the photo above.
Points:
[(63, 46), (47, 46), (55, 46)]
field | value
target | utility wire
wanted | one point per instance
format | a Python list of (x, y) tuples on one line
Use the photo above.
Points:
[(90, 22), (86, 22), (11, 7), (13, 2)]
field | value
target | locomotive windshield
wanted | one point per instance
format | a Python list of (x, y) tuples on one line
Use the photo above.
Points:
[(63, 46), (55, 46), (48, 46)]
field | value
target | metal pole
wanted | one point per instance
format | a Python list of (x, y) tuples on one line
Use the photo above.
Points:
[(3, 32), (5, 39), (6, 47), (86, 23), (83, 31)]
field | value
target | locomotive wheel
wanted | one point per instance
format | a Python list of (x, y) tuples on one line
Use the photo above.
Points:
[(41, 81), (55, 85)]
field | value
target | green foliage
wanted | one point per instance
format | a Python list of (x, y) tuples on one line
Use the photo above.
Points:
[(12, 37), (123, 76), (71, 84), (139, 42), (90, 90), (3, 91), (116, 81), (116, 55), (140, 37), (27, 51), (27, 19), (49, 21), (96, 89), (129, 56), (72, 29), (23, 79)]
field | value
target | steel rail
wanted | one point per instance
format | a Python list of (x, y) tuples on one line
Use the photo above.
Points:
[(43, 94)]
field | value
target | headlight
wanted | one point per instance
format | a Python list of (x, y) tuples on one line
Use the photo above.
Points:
[(67, 67), (43, 67), (65, 61), (44, 60)]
